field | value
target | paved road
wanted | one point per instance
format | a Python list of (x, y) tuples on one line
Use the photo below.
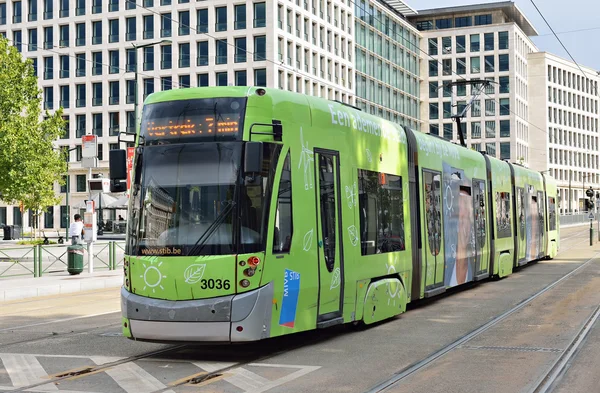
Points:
[(46, 337)]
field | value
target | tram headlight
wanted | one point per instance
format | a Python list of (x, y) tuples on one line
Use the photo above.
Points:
[(245, 283), (253, 261), (249, 272)]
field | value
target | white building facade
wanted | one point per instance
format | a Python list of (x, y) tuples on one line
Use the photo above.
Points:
[(564, 110), (84, 55), (486, 41)]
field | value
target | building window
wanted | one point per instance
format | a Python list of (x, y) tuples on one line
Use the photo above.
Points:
[(503, 63), (447, 67), (490, 148), (148, 22), (433, 68), (113, 30), (283, 213), (445, 23), (475, 42), (464, 21), (130, 29), (490, 107), (461, 45), (80, 100), (202, 53), (48, 98), (97, 94), (448, 131), (96, 6), (503, 40), (461, 66), (96, 63), (184, 55), (240, 50), (489, 63), (504, 106), (113, 90), (490, 129), (504, 83), (96, 33), (165, 25), (483, 20), (488, 41), (433, 90), (504, 128), (113, 123), (166, 83), (382, 226), (18, 39), (425, 25), (221, 78), (80, 64), (202, 80), (97, 124), (130, 4), (80, 34), (166, 57), (434, 112), (240, 78), (149, 58), (48, 68), (184, 23), (80, 7), (49, 217), (221, 18), (17, 216), (260, 77), (64, 96), (221, 50), (48, 37), (202, 21), (475, 65), (130, 119), (64, 66), (239, 12), (33, 40), (433, 46), (64, 35), (476, 130), (2, 15), (148, 87), (184, 81), (260, 15), (48, 9), (260, 48), (81, 183)]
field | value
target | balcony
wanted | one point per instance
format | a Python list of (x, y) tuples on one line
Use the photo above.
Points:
[(79, 132), (97, 70), (130, 67), (32, 47), (64, 74), (96, 40), (30, 18), (48, 105), (64, 103), (48, 45), (96, 9), (184, 30), (48, 15), (80, 103), (260, 22), (97, 101), (166, 65), (202, 60), (240, 57), (64, 13), (80, 42), (48, 75), (112, 7), (17, 19), (113, 70), (184, 63), (113, 100), (129, 99), (97, 131), (165, 32), (202, 28), (221, 26), (148, 34), (221, 59), (63, 43), (259, 56), (113, 131), (80, 72), (113, 38), (79, 11), (148, 66), (130, 36), (148, 3)]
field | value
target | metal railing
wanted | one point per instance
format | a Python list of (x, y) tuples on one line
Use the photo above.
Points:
[(575, 219), (38, 260)]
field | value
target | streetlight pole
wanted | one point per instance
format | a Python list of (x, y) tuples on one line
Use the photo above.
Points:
[(68, 185), (135, 97)]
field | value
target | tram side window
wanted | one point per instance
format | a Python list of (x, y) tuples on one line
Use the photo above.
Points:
[(503, 214), (381, 212), (552, 213), (283, 216)]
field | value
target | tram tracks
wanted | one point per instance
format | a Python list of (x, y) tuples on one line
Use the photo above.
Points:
[(546, 382)]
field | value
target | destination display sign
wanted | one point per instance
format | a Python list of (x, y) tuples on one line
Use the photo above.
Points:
[(213, 118)]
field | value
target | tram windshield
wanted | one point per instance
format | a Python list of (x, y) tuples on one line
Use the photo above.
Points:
[(192, 200)]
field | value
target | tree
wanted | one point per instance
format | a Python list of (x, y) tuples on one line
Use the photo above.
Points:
[(30, 165)]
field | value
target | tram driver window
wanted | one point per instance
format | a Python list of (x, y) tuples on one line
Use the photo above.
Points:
[(283, 216), (381, 212)]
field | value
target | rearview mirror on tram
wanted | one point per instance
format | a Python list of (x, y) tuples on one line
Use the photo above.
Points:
[(117, 165), (253, 158)]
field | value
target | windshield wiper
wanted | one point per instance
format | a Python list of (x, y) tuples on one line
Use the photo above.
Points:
[(199, 245)]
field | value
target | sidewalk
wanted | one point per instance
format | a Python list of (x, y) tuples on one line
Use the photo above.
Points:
[(28, 287)]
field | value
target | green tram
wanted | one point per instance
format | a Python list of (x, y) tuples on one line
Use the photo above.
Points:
[(256, 213)]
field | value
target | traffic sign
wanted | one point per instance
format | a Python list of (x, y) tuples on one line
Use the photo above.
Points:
[(90, 148), (591, 216)]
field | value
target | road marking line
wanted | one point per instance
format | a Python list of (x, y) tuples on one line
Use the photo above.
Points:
[(59, 320), (272, 384), (134, 379), (25, 370)]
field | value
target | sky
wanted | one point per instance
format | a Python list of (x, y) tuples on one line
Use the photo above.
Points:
[(565, 17)]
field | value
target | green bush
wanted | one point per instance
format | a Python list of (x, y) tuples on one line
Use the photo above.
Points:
[(39, 242)]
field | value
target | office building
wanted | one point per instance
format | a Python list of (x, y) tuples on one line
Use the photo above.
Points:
[(564, 119)]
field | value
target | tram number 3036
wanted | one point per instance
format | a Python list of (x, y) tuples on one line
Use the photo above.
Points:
[(215, 284)]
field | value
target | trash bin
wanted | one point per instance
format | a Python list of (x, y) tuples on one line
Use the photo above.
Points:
[(75, 258), (8, 232), (17, 232)]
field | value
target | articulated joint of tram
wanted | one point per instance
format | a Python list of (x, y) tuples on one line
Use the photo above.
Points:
[(233, 318)]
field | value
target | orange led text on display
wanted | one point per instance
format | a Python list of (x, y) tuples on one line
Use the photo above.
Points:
[(172, 128)]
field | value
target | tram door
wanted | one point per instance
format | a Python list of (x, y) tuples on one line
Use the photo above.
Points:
[(329, 236), (541, 224), (480, 222), (434, 254)]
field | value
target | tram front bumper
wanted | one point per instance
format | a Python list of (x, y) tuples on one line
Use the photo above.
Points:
[(233, 318)]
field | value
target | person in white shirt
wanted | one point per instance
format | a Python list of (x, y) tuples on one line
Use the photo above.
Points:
[(76, 230)]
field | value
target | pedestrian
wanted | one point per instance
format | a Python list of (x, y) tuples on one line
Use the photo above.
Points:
[(121, 218), (76, 230)]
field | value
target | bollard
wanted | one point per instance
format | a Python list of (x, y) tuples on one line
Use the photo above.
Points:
[(591, 234)]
